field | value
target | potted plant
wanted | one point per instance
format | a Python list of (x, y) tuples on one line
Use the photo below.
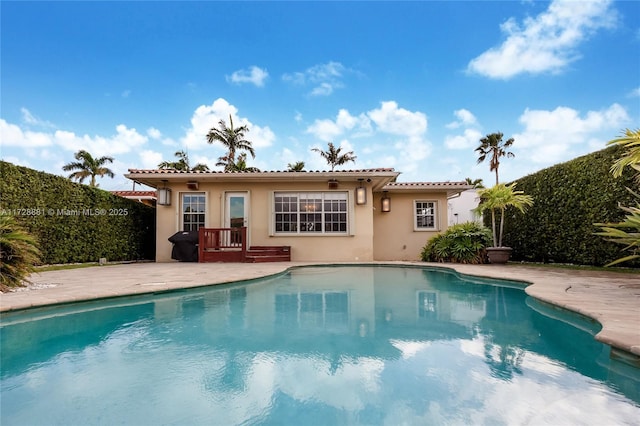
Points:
[(497, 199)]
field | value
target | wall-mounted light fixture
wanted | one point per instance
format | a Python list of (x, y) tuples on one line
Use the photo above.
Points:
[(386, 203), (333, 184), (361, 194), (164, 194), (192, 185)]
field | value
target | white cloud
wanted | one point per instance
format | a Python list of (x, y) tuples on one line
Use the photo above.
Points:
[(12, 135), (398, 121), (635, 93), (395, 136), (324, 78), (464, 118), (553, 136), (32, 120), (125, 93), (154, 133), (206, 117), (327, 130), (125, 140), (546, 43), (469, 139), (253, 75), (150, 159), (324, 89)]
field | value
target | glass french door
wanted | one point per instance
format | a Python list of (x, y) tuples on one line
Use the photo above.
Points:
[(236, 214)]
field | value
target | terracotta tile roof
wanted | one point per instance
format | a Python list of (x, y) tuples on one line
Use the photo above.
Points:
[(134, 193), (427, 184), (452, 187), (218, 172)]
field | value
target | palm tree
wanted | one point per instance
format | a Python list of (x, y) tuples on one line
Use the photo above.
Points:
[(298, 166), (87, 166), (498, 198), (631, 158), (333, 156), (19, 253), (626, 232), (476, 183), (492, 145), (183, 164), (233, 139), (240, 165)]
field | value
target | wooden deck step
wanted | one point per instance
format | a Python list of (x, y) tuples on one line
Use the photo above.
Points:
[(258, 254)]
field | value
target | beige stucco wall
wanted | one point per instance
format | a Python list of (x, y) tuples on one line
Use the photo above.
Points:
[(394, 234), (358, 246)]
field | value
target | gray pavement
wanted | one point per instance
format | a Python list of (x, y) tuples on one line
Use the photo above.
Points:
[(613, 299)]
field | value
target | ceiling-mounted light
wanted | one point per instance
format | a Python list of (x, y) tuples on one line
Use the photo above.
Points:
[(361, 194), (164, 194)]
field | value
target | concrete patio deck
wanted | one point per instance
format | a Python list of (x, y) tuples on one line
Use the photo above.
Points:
[(613, 299)]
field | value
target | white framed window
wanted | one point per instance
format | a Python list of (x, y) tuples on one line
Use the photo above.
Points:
[(194, 209), (427, 304), (310, 213), (425, 215), (327, 310)]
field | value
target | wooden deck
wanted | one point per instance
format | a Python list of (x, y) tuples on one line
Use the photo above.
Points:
[(230, 245)]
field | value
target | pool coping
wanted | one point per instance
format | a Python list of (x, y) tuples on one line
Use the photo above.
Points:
[(611, 298)]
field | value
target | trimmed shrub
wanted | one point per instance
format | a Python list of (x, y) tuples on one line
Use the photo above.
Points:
[(462, 243), (569, 198), (73, 222)]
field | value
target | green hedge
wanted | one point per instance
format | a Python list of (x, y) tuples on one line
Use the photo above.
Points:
[(73, 222), (568, 199)]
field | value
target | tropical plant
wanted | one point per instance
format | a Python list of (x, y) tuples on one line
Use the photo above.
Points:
[(233, 140), (19, 253), (87, 166), (497, 199), (631, 158), (241, 165), (626, 232), (333, 156), (494, 147), (476, 183), (183, 164), (461, 243), (298, 166)]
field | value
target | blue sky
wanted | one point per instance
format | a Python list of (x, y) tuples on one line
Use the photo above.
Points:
[(408, 85)]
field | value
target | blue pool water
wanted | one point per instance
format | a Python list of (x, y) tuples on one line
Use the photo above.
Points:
[(316, 346)]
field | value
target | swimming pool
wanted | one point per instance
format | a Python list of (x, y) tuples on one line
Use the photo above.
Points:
[(317, 345)]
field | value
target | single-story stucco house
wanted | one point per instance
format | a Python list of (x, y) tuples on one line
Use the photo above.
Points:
[(341, 216)]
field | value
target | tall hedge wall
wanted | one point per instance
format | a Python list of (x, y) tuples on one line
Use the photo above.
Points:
[(568, 199), (73, 222)]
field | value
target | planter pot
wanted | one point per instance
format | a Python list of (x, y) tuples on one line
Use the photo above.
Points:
[(499, 255)]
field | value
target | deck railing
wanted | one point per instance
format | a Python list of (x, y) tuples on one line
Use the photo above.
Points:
[(222, 244)]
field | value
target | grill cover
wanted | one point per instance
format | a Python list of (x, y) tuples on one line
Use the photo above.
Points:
[(185, 246)]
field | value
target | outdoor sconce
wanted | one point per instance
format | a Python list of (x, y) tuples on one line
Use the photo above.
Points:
[(193, 185), (361, 194), (164, 195), (333, 184), (386, 203)]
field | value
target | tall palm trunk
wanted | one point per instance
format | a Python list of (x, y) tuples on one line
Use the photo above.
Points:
[(501, 227), (493, 228)]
